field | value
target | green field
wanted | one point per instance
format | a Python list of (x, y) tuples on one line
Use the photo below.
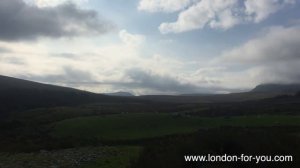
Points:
[(143, 126)]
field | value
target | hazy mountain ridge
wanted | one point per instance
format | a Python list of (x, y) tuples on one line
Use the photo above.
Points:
[(122, 94), (19, 94)]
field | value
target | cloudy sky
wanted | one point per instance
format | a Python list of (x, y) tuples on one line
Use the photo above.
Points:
[(151, 46)]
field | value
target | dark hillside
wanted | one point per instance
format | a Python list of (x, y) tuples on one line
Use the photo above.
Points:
[(283, 88), (17, 94)]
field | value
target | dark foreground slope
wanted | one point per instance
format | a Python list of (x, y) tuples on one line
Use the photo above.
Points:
[(17, 94)]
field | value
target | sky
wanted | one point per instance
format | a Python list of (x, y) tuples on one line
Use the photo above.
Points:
[(151, 46)]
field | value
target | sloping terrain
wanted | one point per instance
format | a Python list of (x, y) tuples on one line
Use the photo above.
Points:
[(279, 88), (17, 94)]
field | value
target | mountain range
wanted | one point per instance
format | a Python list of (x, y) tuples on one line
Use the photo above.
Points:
[(18, 94)]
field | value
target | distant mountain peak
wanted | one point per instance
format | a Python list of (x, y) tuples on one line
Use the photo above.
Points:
[(124, 94)]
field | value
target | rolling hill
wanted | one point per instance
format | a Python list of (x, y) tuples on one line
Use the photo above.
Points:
[(281, 88), (260, 92), (17, 94)]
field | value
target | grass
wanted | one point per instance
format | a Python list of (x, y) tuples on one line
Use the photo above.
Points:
[(88, 157), (142, 126)]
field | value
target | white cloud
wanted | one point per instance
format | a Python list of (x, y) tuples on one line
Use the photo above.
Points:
[(100, 67), (214, 12), (131, 39), (275, 45), (196, 14), (260, 10), (163, 5), (46, 3), (272, 57)]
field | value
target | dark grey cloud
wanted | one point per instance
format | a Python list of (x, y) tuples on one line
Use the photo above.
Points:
[(20, 21), (141, 79)]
